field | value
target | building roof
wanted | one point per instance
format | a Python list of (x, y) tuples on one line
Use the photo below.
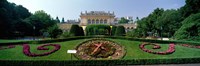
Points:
[(98, 13)]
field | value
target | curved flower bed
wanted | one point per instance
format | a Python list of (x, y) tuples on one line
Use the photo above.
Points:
[(7, 47), (191, 46), (26, 50), (170, 50)]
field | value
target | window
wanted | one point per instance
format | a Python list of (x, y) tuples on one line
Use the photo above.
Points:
[(97, 21), (93, 21), (101, 21), (89, 21), (105, 21)]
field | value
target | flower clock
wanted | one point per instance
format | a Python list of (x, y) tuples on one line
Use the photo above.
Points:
[(99, 49)]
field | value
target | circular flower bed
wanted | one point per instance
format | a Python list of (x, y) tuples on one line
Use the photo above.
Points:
[(190, 46), (26, 50), (99, 49), (170, 50), (7, 47)]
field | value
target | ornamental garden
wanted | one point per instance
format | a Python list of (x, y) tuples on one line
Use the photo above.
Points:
[(101, 50)]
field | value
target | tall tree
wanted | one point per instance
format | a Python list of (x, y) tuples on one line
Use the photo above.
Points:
[(57, 20), (63, 20), (191, 7)]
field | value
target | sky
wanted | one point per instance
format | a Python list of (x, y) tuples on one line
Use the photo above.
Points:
[(71, 9)]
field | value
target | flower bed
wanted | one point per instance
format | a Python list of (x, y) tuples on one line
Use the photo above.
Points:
[(7, 47), (26, 50), (170, 50), (190, 46)]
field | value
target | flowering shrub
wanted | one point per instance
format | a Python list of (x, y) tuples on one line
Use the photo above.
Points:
[(191, 46), (170, 50), (26, 50), (7, 47)]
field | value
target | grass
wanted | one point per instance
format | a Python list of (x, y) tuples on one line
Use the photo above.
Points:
[(7, 41), (132, 51)]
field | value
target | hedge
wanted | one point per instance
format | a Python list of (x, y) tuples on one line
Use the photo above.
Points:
[(98, 62), (112, 37)]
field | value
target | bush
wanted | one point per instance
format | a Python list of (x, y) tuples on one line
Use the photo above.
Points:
[(113, 30), (54, 31), (74, 31), (120, 31), (190, 30), (98, 30)]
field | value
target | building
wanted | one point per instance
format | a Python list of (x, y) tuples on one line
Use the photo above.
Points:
[(97, 17)]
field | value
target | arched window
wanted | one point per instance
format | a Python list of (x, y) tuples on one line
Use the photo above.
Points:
[(105, 21), (127, 27), (101, 21), (131, 27), (97, 21), (93, 21), (89, 21)]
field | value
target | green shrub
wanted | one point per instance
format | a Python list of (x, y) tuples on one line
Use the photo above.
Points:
[(120, 31), (98, 30), (113, 30), (74, 31)]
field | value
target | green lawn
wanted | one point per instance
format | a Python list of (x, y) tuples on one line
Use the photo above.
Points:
[(132, 47)]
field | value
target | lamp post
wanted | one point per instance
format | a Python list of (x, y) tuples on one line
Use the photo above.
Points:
[(33, 32), (161, 33)]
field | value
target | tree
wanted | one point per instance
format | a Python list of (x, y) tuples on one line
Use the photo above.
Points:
[(41, 21), (120, 31), (123, 20), (190, 30), (10, 16), (74, 31), (63, 20), (57, 20), (54, 31), (170, 20), (191, 7)]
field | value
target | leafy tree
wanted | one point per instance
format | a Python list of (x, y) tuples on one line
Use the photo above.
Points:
[(57, 20), (54, 31), (191, 7), (10, 15), (170, 21), (120, 31), (63, 20), (190, 30), (123, 20), (42, 21)]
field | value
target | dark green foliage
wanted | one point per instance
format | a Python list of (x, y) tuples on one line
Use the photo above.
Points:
[(10, 15), (170, 21), (57, 20), (81, 32), (98, 30), (54, 31), (191, 7), (41, 21), (120, 31), (123, 20), (75, 31), (190, 28), (98, 62), (113, 30), (63, 20)]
